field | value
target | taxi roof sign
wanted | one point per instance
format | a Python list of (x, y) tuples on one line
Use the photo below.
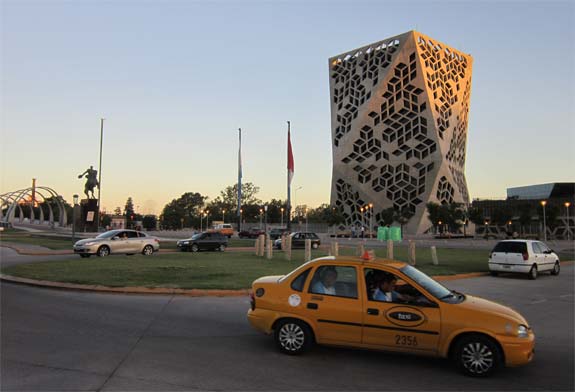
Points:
[(368, 255)]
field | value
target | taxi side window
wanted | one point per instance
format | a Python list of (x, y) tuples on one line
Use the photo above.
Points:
[(384, 286), (297, 283), (335, 281)]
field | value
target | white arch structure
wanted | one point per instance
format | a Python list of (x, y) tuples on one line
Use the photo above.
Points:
[(11, 201)]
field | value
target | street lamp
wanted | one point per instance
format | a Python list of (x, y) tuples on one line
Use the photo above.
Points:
[(207, 219), (543, 204), (567, 204), (261, 214), (370, 219), (282, 218), (75, 198), (439, 226), (224, 216), (241, 211), (362, 219), (306, 230), (201, 220), (266, 219)]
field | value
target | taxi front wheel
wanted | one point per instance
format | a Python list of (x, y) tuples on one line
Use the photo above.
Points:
[(477, 356), (293, 336)]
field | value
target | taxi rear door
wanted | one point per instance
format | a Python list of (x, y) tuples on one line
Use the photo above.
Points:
[(337, 317), (400, 326)]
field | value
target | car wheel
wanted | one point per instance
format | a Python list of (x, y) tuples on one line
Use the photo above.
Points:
[(556, 269), (222, 248), (533, 272), (493, 273), (148, 250), (315, 245), (477, 356), (194, 248), (293, 336), (103, 251), (84, 256)]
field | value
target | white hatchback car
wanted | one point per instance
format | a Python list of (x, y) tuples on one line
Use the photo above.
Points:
[(523, 256)]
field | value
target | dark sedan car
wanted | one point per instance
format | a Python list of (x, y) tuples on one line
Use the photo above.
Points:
[(277, 233), (298, 240), (204, 241)]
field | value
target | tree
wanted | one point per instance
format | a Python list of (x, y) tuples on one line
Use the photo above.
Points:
[(106, 220), (187, 207), (525, 215), (149, 222), (501, 215), (402, 216), (475, 215), (387, 216), (229, 196), (117, 211), (129, 212), (451, 215)]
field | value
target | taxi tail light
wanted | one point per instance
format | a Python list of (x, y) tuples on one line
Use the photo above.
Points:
[(525, 256), (252, 300)]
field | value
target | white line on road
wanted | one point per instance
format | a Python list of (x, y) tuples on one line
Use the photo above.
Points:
[(538, 302)]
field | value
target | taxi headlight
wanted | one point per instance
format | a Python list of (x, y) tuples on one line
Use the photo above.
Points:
[(522, 331)]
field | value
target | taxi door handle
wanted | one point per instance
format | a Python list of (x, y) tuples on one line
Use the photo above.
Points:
[(372, 311), (311, 305)]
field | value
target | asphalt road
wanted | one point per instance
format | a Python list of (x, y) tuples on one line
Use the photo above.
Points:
[(64, 340)]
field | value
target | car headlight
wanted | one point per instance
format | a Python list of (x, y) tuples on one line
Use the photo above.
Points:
[(522, 331), (88, 243), (185, 242)]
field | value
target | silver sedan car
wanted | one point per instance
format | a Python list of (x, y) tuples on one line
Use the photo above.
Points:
[(118, 241)]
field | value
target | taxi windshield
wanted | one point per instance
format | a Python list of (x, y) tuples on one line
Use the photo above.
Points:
[(432, 287)]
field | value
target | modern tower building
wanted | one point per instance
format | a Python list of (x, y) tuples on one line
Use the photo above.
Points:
[(399, 115)]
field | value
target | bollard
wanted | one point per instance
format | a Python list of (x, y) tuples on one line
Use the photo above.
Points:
[(434, 256), (263, 246), (411, 252), (283, 243), (390, 249), (270, 249), (257, 246), (287, 248), (307, 250), (334, 249), (360, 249)]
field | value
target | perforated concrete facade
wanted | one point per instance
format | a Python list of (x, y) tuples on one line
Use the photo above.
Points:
[(399, 116)]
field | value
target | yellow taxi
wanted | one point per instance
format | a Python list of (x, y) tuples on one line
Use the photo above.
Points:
[(387, 305)]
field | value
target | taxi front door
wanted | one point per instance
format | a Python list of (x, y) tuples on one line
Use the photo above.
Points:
[(401, 327), (337, 318)]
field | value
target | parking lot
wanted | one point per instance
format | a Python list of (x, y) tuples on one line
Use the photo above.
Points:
[(64, 340)]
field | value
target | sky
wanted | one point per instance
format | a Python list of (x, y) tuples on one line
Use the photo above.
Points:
[(176, 79)]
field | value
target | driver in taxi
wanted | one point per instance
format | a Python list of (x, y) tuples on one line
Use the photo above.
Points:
[(385, 290)]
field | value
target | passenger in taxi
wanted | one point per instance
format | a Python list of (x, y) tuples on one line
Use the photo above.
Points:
[(326, 284)]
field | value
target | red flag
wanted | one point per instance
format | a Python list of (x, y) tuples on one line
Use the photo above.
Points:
[(290, 165)]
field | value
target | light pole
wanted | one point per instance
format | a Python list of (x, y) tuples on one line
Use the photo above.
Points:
[(370, 220), (201, 220), (439, 226), (567, 204), (486, 229), (75, 198), (543, 204), (306, 220), (361, 213), (223, 216), (266, 219), (282, 218), (241, 211), (261, 214), (207, 219)]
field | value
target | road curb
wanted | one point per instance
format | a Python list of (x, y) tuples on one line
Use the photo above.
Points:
[(124, 290)]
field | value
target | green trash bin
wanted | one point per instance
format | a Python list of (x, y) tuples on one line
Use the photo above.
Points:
[(395, 233), (381, 233), (385, 233)]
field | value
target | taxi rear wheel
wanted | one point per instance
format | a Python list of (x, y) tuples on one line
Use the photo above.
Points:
[(293, 336), (477, 356)]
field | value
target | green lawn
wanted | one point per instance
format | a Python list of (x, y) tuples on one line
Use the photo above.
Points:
[(212, 270), (23, 237)]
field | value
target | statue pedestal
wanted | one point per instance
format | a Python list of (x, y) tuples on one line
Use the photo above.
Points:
[(89, 215)]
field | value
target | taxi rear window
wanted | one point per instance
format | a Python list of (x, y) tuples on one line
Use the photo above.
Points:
[(298, 283)]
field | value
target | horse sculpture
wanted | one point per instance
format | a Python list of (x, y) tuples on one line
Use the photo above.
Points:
[(91, 181)]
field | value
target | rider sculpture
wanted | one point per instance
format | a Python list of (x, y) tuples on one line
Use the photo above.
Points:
[(91, 181)]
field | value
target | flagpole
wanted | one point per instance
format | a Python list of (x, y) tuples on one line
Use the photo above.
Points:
[(288, 185), (240, 182)]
